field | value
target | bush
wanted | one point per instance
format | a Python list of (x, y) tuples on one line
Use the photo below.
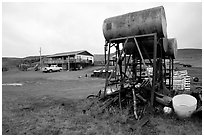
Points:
[(5, 69)]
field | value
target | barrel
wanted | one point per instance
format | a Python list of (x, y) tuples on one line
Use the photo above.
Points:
[(168, 47), (171, 48), (136, 23), (146, 46)]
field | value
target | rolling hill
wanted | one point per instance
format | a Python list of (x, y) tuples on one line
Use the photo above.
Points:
[(190, 56), (184, 56)]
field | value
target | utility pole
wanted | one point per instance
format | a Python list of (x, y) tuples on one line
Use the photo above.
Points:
[(40, 58)]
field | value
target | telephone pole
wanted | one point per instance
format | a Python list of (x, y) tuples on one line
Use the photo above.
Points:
[(40, 58)]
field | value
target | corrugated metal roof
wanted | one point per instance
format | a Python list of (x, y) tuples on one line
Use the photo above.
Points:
[(68, 53)]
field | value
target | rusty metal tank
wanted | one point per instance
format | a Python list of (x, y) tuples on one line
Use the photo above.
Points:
[(136, 23), (146, 46), (171, 49), (168, 47)]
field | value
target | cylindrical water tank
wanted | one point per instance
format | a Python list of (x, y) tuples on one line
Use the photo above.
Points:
[(171, 48), (136, 23), (146, 46), (168, 47)]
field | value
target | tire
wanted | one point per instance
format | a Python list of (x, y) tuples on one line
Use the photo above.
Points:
[(196, 79), (92, 96), (50, 70)]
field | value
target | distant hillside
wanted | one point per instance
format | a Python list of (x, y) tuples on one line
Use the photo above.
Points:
[(190, 56), (100, 57), (186, 56), (11, 62)]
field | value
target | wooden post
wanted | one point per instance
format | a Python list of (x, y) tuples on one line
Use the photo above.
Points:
[(154, 69), (134, 103), (68, 62)]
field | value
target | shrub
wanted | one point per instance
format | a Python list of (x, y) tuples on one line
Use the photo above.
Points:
[(5, 69)]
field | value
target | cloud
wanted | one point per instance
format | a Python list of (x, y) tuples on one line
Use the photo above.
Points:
[(61, 27)]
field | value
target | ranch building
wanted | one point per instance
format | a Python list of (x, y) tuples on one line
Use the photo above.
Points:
[(74, 60)]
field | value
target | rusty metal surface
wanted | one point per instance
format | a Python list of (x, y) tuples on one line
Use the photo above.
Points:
[(167, 47), (136, 23), (147, 47), (172, 48)]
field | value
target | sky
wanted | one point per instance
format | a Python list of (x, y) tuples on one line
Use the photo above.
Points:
[(61, 27)]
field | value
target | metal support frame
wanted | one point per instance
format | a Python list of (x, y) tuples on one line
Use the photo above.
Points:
[(142, 61), (142, 57)]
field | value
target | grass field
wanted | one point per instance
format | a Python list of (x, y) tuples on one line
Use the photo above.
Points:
[(55, 103)]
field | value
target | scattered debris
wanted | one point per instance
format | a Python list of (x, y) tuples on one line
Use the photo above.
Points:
[(181, 80), (167, 110), (187, 65), (102, 73)]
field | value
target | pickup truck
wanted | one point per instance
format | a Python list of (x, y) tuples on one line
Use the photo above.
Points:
[(52, 68)]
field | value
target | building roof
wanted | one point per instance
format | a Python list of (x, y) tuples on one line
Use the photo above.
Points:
[(81, 52)]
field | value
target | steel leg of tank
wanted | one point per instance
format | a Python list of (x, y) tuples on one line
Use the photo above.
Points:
[(105, 49), (154, 69), (169, 73), (140, 69), (116, 57), (172, 75), (164, 69), (107, 68), (120, 68)]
